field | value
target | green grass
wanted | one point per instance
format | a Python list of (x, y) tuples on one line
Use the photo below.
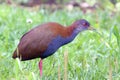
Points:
[(91, 56)]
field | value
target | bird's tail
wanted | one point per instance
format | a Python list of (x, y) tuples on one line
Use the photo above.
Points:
[(15, 54)]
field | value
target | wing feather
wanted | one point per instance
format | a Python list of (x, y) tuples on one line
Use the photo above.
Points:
[(35, 42)]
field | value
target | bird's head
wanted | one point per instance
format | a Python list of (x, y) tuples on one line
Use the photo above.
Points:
[(81, 25)]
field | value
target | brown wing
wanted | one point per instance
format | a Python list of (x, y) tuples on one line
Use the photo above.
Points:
[(35, 42)]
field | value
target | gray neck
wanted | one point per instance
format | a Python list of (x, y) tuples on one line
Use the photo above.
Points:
[(72, 36)]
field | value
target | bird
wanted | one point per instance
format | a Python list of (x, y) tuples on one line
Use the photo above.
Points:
[(44, 40)]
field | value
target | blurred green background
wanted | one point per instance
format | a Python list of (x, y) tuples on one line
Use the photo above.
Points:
[(91, 56)]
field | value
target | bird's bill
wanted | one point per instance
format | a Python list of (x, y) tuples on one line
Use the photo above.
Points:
[(91, 28)]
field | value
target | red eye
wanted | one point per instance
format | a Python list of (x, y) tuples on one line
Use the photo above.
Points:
[(84, 24)]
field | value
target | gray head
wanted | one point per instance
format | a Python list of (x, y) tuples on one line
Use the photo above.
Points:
[(81, 25)]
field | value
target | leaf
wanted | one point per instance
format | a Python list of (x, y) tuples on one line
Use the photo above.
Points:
[(116, 32)]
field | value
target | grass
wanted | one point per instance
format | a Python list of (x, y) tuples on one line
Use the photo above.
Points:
[(91, 56)]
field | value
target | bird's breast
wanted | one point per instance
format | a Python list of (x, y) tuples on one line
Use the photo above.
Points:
[(55, 44)]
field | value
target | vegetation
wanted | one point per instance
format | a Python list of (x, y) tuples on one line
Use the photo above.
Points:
[(93, 55)]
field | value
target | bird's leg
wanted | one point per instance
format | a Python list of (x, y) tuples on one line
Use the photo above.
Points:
[(40, 67)]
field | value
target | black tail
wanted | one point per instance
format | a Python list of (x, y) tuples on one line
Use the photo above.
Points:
[(15, 54)]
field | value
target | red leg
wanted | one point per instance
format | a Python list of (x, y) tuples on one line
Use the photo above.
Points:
[(40, 67)]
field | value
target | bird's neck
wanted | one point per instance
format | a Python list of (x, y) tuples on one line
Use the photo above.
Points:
[(72, 30), (72, 33)]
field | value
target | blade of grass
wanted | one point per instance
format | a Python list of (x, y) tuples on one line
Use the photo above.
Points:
[(58, 72), (65, 65), (117, 35)]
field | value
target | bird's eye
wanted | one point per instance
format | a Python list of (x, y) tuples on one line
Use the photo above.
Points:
[(84, 24)]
